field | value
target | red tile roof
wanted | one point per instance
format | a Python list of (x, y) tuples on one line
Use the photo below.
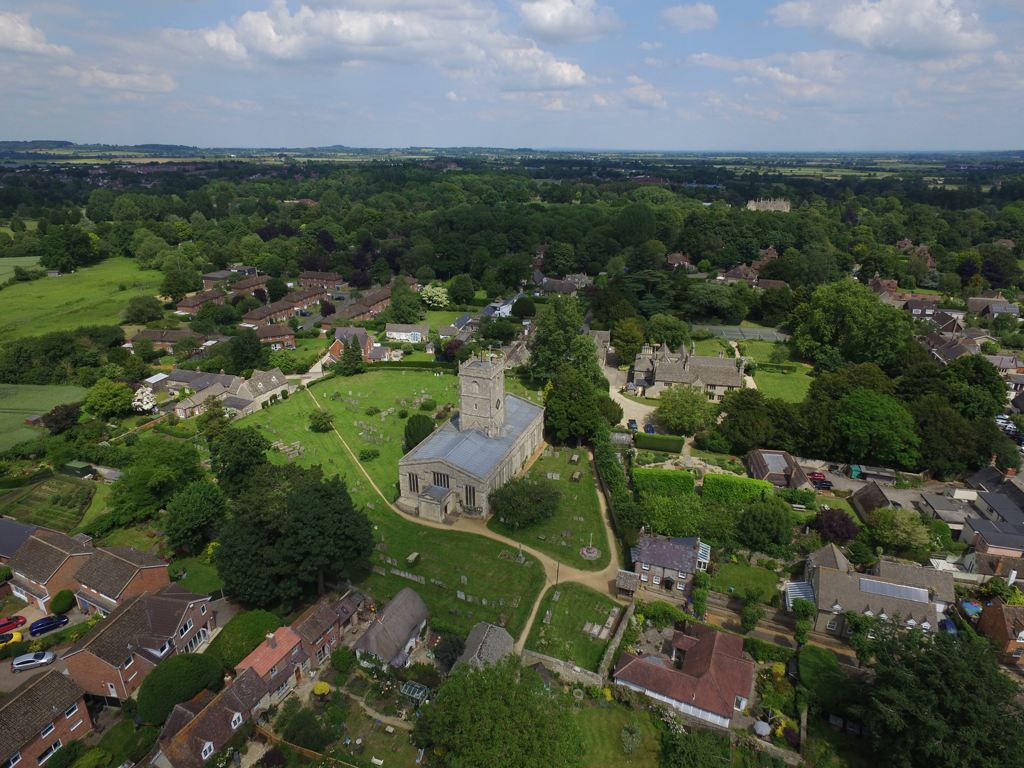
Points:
[(271, 652)]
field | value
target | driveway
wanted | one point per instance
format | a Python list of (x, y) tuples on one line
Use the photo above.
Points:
[(630, 408)]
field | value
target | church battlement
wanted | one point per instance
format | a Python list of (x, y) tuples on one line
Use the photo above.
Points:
[(482, 394)]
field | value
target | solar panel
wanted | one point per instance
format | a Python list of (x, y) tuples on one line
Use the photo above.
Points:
[(916, 594)]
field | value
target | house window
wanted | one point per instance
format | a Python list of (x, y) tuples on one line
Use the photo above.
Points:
[(185, 628), (643, 577), (202, 609), (14, 760), (70, 711), (47, 730), (832, 625), (128, 662), (273, 670), (681, 586), (207, 750), (414, 483), (645, 566), (740, 703), (682, 575), (470, 496), (48, 752), (656, 580), (441, 480), (236, 720), (1018, 653)]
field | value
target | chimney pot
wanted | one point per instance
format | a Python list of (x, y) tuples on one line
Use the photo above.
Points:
[(270, 640)]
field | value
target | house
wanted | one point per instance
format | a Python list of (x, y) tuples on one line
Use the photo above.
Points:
[(1004, 625), (708, 677), (911, 594), (1000, 506), (476, 451), (280, 661), (500, 308), (276, 336), (657, 369), (245, 270), (239, 396), (992, 307), (988, 537), (951, 511), (453, 330), (13, 534), (765, 284), (350, 334), (192, 304), (197, 729), (45, 564), (870, 497), (395, 632), (920, 310), (327, 281), (679, 260), (277, 312), (165, 340), (668, 565), (250, 284), (305, 298), (1005, 364), (602, 343), (115, 656), (43, 714), (775, 205), (986, 565), (414, 334), (322, 625), (486, 644), (741, 273), (777, 467), (114, 574), (216, 279)]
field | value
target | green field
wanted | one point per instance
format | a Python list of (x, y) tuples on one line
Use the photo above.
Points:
[(91, 296), (439, 318), (58, 502), (712, 347), (578, 515), (19, 401), (791, 387), (601, 727), (489, 567), (563, 636), (736, 578), (7, 265)]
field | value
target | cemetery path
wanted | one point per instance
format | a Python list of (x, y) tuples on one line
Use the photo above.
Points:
[(554, 572)]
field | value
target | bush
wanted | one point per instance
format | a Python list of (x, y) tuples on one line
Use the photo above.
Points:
[(664, 443), (240, 636), (5, 574), (428, 405), (372, 410), (765, 653), (417, 429), (62, 602), (524, 502), (733, 490), (661, 614), (343, 659), (403, 413), (662, 482), (177, 679), (125, 742), (93, 758), (368, 454), (64, 757), (305, 730), (320, 421)]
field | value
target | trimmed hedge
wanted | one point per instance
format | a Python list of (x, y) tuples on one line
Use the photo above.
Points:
[(611, 472), (241, 635), (62, 602), (733, 489), (176, 680), (662, 482), (766, 652), (664, 443)]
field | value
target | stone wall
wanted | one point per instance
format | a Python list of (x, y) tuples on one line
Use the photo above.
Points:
[(563, 669)]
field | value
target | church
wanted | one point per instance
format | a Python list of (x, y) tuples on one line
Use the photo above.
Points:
[(480, 449)]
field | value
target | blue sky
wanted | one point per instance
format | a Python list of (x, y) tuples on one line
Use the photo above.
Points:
[(599, 74)]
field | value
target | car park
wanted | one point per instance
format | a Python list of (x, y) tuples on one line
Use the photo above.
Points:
[(32, 661), (47, 624), (11, 623)]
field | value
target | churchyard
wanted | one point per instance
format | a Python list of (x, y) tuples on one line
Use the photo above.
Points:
[(574, 623)]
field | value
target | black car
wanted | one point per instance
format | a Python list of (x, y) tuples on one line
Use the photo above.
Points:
[(47, 624), (823, 485)]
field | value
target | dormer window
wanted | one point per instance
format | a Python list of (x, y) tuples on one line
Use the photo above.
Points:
[(236, 720), (883, 616), (207, 750), (836, 607), (868, 612)]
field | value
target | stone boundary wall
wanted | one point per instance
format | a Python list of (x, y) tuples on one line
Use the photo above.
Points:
[(609, 652), (565, 670)]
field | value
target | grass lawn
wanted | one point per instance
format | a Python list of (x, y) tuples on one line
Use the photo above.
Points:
[(19, 401), (514, 386), (765, 351), (579, 513), (200, 577), (652, 401), (8, 264), (439, 318), (57, 502), (128, 742), (601, 727), (712, 347), (829, 748), (723, 460), (563, 637), (736, 578), (791, 387), (837, 503), (90, 296), (98, 505), (489, 567), (396, 749), (141, 537)]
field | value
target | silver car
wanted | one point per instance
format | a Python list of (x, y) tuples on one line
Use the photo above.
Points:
[(32, 660)]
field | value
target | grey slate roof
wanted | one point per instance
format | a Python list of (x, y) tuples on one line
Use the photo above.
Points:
[(869, 498), (985, 479), (998, 534), (43, 553), (472, 450), (111, 569), (32, 706), (343, 334), (829, 556), (679, 554), (486, 644), (1003, 506), (949, 510), (13, 534), (939, 583), (394, 627)]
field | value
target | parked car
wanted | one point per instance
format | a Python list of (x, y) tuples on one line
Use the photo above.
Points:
[(11, 623), (823, 485), (9, 637), (47, 624), (632, 425), (32, 660), (649, 429), (815, 477)]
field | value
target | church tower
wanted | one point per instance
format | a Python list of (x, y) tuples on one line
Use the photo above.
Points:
[(482, 394)]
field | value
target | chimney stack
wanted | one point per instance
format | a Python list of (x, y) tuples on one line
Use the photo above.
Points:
[(1012, 578), (271, 641)]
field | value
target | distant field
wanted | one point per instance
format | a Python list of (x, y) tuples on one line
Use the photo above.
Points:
[(58, 502), (7, 265), (18, 401), (91, 296)]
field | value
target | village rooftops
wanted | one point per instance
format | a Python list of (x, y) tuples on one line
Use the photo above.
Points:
[(43, 553), (31, 707), (390, 631), (272, 652), (111, 569), (679, 554), (12, 535)]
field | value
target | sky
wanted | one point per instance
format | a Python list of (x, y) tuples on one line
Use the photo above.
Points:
[(739, 75)]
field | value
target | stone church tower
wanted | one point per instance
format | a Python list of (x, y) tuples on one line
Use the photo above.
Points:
[(482, 394)]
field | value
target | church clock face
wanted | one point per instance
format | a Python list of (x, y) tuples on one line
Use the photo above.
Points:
[(497, 405)]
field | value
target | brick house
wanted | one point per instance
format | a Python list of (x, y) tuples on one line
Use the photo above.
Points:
[(113, 659), (13, 533), (322, 625), (667, 565), (46, 564), (1004, 625), (114, 574), (250, 284), (305, 298), (278, 312), (350, 334), (280, 661), (276, 336), (216, 278), (40, 716), (192, 304), (327, 281)]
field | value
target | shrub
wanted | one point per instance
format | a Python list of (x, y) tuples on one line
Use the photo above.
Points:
[(763, 652), (372, 410), (428, 405), (661, 614), (63, 601), (631, 738), (304, 729), (403, 413), (835, 525), (368, 454), (93, 758), (343, 659), (665, 443), (733, 490), (662, 482), (64, 757), (417, 429), (240, 636), (320, 421), (176, 680), (523, 502), (5, 574), (125, 742)]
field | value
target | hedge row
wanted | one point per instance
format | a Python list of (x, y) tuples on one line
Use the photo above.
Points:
[(766, 652), (666, 443), (612, 473), (649, 483), (733, 489)]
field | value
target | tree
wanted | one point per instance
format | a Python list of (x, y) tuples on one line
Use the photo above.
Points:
[(523, 307), (434, 296), (872, 428), (177, 680), (327, 308), (974, 387), (461, 290), (628, 337), (277, 289), (193, 514), (321, 421), (161, 468), (405, 305), (449, 650), (306, 730), (213, 420), (940, 699), (144, 401), (417, 429), (143, 309), (236, 455), (693, 749), (61, 418), (571, 411), (107, 399), (751, 614), (834, 525), (526, 725), (556, 326), (62, 602), (765, 525), (747, 423), (246, 353), (897, 529), (351, 361), (683, 410), (523, 502), (666, 329)]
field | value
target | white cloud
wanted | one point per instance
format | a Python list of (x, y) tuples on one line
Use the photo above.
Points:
[(691, 18), (910, 28), (795, 77), (650, 46), (564, 20), (453, 96), (18, 34), (643, 94), (140, 82)]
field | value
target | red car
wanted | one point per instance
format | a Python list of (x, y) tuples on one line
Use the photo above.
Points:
[(11, 623), (815, 477)]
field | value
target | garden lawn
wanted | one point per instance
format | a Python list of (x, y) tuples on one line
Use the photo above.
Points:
[(578, 514), (712, 347), (200, 577), (57, 502), (791, 387), (127, 742), (395, 749), (601, 727), (8, 264), (90, 296), (445, 556), (821, 674), (142, 537), (563, 637), (723, 460), (19, 401), (98, 506), (438, 319), (736, 578)]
